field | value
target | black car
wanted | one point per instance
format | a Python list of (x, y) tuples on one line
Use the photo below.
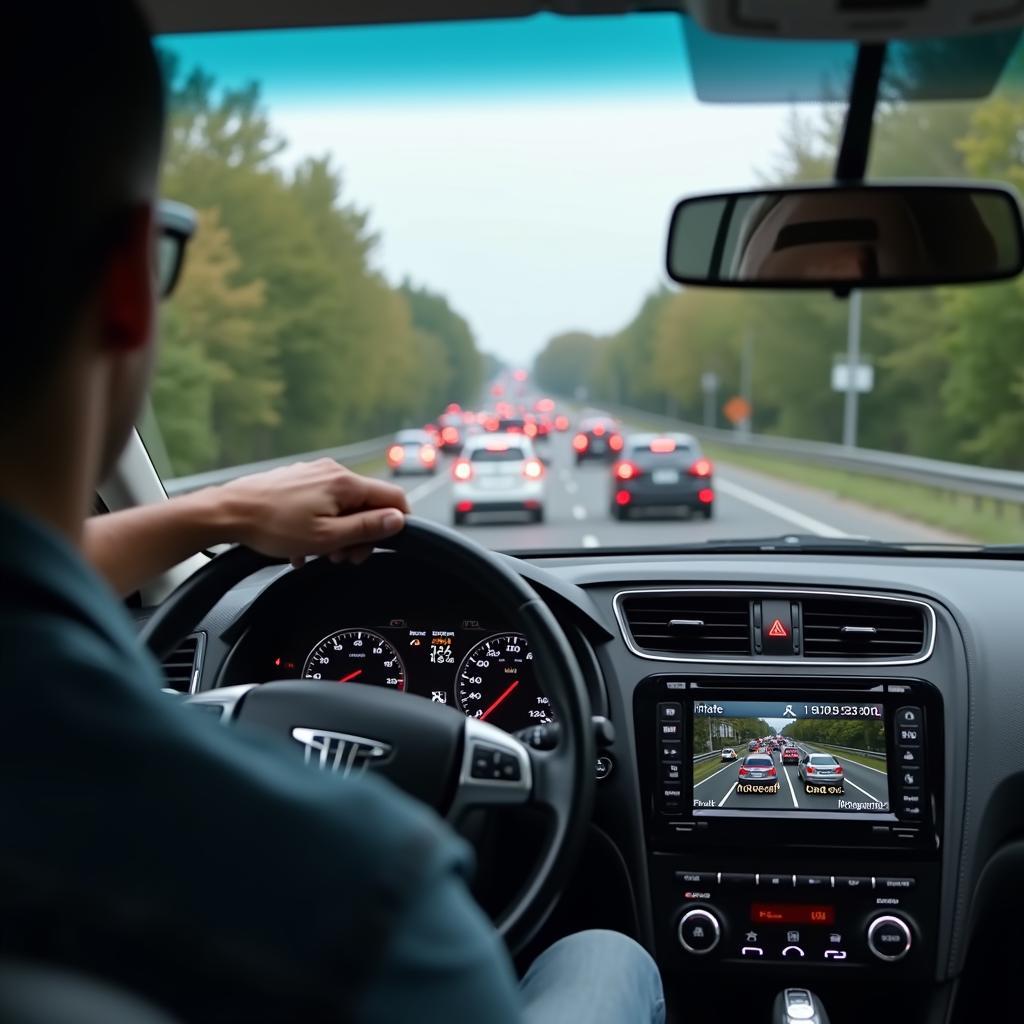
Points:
[(664, 471), (598, 437)]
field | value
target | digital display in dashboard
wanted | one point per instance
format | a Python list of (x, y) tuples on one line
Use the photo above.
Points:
[(486, 674), (790, 755)]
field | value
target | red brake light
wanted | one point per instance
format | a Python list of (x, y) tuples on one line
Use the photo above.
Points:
[(743, 771), (598, 430), (664, 445), (615, 442), (395, 454), (533, 469), (581, 442), (839, 769), (497, 446), (623, 497), (450, 435), (705, 495), (772, 771), (531, 430), (561, 423), (428, 453), (462, 470), (626, 470), (702, 467)]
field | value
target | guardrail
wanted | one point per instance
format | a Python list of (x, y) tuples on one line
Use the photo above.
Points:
[(707, 757), (980, 481), (343, 453)]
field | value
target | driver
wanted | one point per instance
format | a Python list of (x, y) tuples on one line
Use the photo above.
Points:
[(142, 843)]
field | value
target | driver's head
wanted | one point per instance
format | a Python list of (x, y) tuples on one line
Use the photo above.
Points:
[(84, 151)]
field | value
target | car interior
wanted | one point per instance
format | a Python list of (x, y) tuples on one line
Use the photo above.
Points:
[(583, 715)]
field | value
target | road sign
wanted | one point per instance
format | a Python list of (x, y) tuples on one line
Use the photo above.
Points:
[(737, 409), (863, 377)]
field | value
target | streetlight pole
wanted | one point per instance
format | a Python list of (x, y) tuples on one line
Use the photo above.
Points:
[(852, 368)]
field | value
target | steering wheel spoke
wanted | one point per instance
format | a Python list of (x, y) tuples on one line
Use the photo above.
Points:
[(496, 770)]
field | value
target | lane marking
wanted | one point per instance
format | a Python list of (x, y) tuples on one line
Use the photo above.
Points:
[(731, 764), (729, 794), (590, 541), (571, 487), (775, 508), (428, 488), (792, 792), (850, 782), (579, 512)]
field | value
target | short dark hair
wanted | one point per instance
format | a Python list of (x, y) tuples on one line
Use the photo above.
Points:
[(84, 145)]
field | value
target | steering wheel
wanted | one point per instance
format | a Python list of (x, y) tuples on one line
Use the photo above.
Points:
[(430, 750)]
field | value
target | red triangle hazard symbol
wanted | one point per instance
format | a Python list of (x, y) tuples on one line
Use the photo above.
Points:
[(777, 629)]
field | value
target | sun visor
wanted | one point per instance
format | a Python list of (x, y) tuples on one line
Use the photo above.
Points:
[(738, 69)]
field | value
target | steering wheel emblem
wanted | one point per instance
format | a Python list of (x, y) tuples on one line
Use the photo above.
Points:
[(338, 751)]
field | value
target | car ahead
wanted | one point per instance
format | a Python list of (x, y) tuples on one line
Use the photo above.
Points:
[(728, 754), (753, 745), (598, 437), (790, 755), (451, 431), (412, 451), (498, 473), (759, 769), (664, 471), (820, 770)]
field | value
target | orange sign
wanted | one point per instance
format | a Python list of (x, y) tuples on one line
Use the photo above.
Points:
[(737, 410)]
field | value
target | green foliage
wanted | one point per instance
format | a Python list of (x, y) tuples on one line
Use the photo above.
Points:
[(282, 337), (863, 734)]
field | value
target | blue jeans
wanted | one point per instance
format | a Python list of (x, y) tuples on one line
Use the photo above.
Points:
[(597, 977)]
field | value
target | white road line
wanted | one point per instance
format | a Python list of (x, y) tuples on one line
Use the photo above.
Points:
[(579, 512), (790, 515), (792, 793), (727, 795), (428, 488), (571, 487), (590, 541), (850, 782), (731, 764)]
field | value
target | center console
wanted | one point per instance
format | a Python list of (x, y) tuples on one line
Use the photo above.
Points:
[(792, 823)]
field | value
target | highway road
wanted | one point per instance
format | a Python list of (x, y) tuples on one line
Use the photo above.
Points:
[(865, 789), (747, 504)]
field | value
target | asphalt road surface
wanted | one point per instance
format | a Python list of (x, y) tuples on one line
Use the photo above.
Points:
[(747, 505), (864, 789)]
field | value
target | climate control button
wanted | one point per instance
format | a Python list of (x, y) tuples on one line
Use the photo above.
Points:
[(889, 938), (699, 931)]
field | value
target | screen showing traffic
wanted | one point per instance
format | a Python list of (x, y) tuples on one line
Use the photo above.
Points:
[(795, 755)]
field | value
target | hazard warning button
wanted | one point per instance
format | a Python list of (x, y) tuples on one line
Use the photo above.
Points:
[(777, 627)]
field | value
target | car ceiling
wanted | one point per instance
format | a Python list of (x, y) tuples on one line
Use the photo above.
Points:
[(167, 16)]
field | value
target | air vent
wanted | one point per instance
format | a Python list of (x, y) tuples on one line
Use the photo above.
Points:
[(182, 664), (688, 624), (845, 627)]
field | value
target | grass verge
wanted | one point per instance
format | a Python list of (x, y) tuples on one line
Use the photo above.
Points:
[(975, 519)]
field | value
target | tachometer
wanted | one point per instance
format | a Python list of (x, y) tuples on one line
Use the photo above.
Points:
[(356, 656), (496, 684)]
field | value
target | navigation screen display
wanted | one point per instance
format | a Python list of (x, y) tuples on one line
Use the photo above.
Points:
[(797, 755)]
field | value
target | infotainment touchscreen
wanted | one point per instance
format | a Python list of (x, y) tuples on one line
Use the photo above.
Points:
[(790, 755)]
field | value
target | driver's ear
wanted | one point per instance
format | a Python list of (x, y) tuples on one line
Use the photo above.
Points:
[(128, 291)]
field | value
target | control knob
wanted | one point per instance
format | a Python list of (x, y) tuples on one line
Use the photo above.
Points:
[(889, 938), (699, 931)]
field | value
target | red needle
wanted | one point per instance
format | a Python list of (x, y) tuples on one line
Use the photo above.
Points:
[(351, 676), (514, 684)]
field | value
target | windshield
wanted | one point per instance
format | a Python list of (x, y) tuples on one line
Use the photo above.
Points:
[(460, 228)]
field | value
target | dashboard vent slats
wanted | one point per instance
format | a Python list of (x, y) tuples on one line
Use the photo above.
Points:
[(182, 664), (845, 627), (689, 624)]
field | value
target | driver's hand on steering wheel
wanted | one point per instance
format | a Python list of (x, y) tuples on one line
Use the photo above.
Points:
[(314, 508)]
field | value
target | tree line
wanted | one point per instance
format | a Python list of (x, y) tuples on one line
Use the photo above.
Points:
[(282, 337), (861, 734), (949, 362)]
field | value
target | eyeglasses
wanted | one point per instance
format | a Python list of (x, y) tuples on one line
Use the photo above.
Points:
[(176, 223)]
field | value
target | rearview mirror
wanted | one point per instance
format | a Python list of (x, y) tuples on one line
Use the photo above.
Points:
[(842, 237)]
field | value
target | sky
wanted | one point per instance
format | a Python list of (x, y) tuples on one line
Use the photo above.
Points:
[(526, 170)]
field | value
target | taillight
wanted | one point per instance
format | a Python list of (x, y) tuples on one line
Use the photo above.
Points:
[(395, 454), (561, 423), (450, 435), (533, 469), (743, 771), (702, 467), (839, 769), (623, 497), (581, 442), (491, 424), (615, 442), (772, 771), (462, 470), (598, 430), (626, 470), (705, 495), (663, 445), (530, 429), (428, 453)]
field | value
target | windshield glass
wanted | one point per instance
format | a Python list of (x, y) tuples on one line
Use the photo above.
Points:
[(460, 228)]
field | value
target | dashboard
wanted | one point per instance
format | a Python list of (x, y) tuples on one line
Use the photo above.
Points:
[(897, 870)]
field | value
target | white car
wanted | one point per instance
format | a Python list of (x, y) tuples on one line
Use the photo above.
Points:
[(498, 473)]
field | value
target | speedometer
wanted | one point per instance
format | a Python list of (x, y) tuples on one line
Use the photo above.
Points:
[(496, 684), (355, 656)]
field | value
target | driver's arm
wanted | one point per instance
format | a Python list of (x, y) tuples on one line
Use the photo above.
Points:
[(309, 508)]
